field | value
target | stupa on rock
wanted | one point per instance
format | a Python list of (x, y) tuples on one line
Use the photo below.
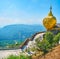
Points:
[(50, 22)]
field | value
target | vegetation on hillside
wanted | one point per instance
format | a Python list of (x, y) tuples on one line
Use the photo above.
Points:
[(49, 41), (18, 57)]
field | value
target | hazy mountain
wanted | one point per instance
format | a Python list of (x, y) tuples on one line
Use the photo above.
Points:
[(19, 31)]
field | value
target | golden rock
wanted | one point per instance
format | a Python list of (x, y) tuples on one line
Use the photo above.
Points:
[(50, 21)]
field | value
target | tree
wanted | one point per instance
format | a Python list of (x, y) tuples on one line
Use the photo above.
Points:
[(49, 37), (57, 39), (44, 45)]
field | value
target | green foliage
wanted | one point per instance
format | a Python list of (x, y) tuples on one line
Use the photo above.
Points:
[(57, 38), (44, 45), (13, 57), (48, 41), (37, 40), (49, 36), (33, 49), (25, 57), (19, 57)]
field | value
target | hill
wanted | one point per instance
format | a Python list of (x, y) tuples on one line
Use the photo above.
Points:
[(54, 54), (14, 32), (18, 32)]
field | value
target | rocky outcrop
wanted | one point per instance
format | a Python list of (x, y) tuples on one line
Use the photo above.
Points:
[(56, 29), (36, 34), (25, 43), (29, 39)]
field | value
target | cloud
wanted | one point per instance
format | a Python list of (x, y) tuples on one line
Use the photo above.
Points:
[(13, 15), (9, 21)]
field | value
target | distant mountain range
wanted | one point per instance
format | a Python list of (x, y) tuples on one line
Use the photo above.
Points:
[(19, 31)]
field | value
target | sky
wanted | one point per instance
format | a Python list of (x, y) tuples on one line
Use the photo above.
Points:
[(27, 11)]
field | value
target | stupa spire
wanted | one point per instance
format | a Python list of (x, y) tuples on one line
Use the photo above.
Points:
[(51, 8), (50, 13)]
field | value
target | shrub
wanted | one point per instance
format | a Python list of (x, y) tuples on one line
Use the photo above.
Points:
[(49, 37), (57, 39), (18, 57), (13, 57), (44, 45)]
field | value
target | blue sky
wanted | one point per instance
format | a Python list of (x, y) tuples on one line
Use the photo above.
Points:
[(27, 11)]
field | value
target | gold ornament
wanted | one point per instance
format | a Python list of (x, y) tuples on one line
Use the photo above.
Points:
[(50, 21)]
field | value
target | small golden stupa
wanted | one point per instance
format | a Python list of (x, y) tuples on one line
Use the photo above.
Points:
[(50, 21)]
